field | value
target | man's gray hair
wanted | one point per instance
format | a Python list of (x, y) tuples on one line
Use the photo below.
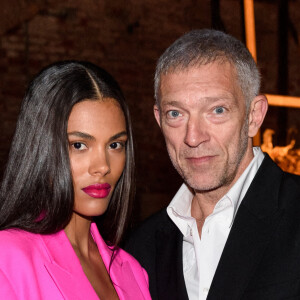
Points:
[(200, 47)]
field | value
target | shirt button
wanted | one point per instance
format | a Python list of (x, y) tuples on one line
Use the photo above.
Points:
[(205, 290)]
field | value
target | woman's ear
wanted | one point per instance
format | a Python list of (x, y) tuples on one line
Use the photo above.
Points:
[(257, 113)]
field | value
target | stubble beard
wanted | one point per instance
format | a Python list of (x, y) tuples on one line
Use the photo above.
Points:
[(227, 172)]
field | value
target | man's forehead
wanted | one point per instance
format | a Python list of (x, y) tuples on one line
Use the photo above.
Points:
[(219, 66), (208, 83), (175, 69), (224, 74)]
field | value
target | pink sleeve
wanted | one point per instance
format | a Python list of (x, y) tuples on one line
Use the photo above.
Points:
[(7, 291)]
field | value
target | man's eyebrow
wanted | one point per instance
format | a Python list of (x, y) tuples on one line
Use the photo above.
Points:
[(174, 103), (118, 135), (205, 99), (81, 135), (171, 103)]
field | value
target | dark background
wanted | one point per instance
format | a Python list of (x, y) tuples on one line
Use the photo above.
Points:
[(126, 37)]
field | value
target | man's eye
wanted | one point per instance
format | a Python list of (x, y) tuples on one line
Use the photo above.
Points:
[(219, 110), (79, 146), (173, 114)]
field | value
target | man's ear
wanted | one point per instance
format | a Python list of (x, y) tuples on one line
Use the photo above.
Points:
[(257, 113), (157, 114)]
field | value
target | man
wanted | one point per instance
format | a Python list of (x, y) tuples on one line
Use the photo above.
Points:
[(232, 231)]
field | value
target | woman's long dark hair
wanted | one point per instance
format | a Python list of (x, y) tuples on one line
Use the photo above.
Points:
[(37, 190)]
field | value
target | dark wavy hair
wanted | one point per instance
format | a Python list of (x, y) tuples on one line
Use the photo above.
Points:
[(37, 191)]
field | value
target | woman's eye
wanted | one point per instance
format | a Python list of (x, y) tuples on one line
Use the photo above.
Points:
[(79, 146), (117, 145), (219, 110), (173, 114)]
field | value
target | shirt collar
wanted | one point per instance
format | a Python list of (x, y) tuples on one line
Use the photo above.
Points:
[(179, 209), (239, 189)]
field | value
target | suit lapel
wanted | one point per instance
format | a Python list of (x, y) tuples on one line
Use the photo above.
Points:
[(169, 271), (120, 270), (254, 224), (71, 287), (65, 269)]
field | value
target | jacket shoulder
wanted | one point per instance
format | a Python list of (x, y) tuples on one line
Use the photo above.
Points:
[(144, 238), (290, 190), (293, 178), (18, 245), (17, 239), (157, 222)]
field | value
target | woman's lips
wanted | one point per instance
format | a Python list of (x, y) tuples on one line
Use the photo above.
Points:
[(99, 190)]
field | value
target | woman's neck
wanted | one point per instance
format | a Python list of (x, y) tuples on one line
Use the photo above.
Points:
[(78, 233)]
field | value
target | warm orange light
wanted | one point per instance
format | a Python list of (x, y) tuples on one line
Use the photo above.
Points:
[(250, 27), (286, 101), (273, 100)]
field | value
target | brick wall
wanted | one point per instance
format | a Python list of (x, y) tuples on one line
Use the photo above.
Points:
[(126, 38)]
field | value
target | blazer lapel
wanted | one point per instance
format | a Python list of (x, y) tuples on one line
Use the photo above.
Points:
[(65, 269), (120, 270), (169, 270), (125, 281), (254, 224), (71, 287)]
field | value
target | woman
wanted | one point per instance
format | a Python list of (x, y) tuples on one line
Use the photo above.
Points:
[(71, 159)]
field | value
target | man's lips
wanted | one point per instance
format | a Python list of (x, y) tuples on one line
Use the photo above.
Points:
[(98, 190), (200, 159)]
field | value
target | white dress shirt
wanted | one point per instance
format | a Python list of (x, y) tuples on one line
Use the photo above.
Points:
[(201, 256)]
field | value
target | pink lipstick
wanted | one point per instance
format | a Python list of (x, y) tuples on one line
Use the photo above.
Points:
[(98, 190)]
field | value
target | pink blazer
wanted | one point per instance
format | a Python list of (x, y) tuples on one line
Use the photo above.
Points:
[(41, 267)]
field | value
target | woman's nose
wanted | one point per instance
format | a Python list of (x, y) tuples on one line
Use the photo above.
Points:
[(99, 164)]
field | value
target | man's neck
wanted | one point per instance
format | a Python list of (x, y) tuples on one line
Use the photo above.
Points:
[(203, 204)]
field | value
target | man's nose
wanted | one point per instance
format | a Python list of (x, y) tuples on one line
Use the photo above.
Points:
[(99, 163), (196, 132)]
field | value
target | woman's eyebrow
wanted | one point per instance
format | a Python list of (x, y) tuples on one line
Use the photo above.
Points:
[(118, 135), (81, 135), (90, 137)]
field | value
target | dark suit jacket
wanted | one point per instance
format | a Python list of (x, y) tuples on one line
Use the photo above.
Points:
[(261, 258)]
